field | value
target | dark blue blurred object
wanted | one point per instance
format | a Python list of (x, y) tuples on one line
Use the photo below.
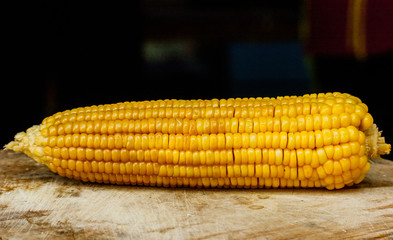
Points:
[(268, 69)]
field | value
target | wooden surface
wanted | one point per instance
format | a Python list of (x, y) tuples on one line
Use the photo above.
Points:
[(37, 204)]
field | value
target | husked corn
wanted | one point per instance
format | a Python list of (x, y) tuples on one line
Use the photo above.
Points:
[(316, 140)]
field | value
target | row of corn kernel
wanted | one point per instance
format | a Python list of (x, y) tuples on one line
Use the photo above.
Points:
[(211, 112), (338, 97), (245, 102), (209, 157), (292, 158), (238, 102), (234, 182), (168, 170), (304, 139), (208, 182), (338, 174), (210, 125), (355, 164)]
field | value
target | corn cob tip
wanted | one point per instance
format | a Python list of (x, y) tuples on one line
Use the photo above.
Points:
[(375, 143), (26, 142)]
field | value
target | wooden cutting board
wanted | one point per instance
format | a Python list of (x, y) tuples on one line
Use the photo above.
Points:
[(37, 204)]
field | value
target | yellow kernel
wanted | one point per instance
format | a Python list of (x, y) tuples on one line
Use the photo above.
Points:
[(87, 167), (162, 171), (72, 153), (318, 135), (317, 122), (362, 161), (283, 139), (108, 167), (322, 157), (329, 180), (285, 123), (205, 141), (325, 109), (273, 171), (278, 157), (293, 174), (339, 180), (237, 140), (367, 122), (304, 139), (335, 121), (354, 161), (337, 170), (355, 120), (311, 140), (329, 150), (250, 155), (307, 156), (287, 172), (68, 140), (71, 165), (300, 157), (366, 168), (327, 137), (345, 164), (293, 159), (338, 152), (291, 141), (361, 110), (328, 167), (300, 174), (56, 152), (309, 122), (346, 150), (275, 139), (326, 122), (308, 171), (268, 139), (234, 125), (81, 154), (265, 171), (321, 172), (79, 166), (107, 155), (60, 141), (355, 147), (272, 156), (301, 123), (221, 141), (245, 140), (280, 171), (344, 135), (270, 123), (292, 125), (345, 119), (314, 159), (338, 108), (298, 141)]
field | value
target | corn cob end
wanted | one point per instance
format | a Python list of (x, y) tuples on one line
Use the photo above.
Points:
[(375, 143), (26, 142)]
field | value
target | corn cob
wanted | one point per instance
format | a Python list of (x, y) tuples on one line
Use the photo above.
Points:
[(315, 140)]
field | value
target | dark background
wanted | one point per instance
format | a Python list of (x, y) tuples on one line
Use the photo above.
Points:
[(65, 54)]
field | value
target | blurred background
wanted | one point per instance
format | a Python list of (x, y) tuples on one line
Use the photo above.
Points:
[(64, 54)]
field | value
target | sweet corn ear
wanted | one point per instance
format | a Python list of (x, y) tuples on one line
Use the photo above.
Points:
[(316, 140)]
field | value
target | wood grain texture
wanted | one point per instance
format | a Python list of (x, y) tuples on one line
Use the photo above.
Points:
[(37, 204)]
